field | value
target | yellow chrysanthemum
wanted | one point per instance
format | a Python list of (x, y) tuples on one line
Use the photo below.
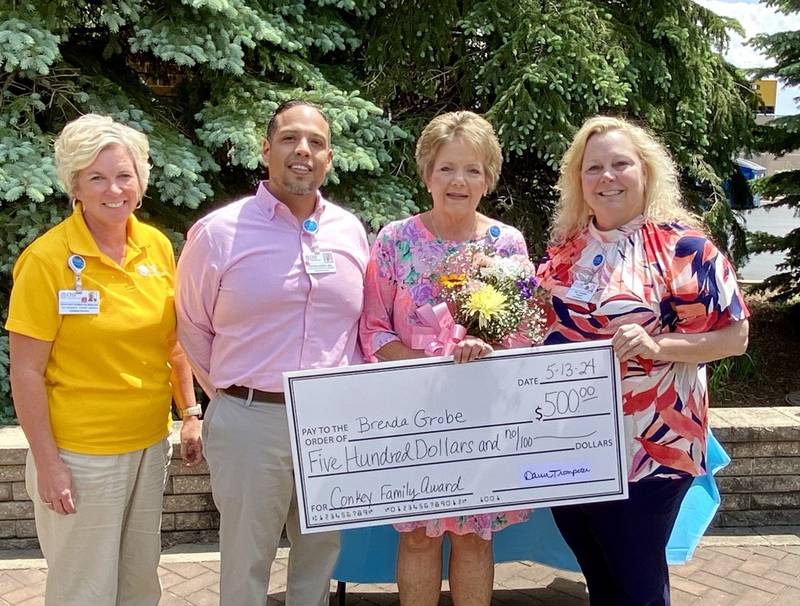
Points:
[(452, 280), (486, 303)]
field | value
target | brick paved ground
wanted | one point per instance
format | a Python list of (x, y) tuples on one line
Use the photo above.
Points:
[(750, 570)]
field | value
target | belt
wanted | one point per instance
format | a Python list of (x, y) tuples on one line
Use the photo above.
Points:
[(239, 391)]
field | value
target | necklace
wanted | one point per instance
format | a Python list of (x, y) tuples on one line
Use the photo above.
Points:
[(472, 229)]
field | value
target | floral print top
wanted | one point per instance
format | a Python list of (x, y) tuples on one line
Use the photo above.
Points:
[(403, 274), (666, 278)]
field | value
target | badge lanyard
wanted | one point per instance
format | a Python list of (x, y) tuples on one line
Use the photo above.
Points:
[(318, 262), (78, 301), (311, 227), (77, 264), (584, 284), (588, 275)]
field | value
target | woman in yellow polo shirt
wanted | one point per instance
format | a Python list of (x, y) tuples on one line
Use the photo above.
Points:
[(94, 367)]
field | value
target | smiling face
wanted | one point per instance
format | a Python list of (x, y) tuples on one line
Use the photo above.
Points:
[(457, 178), (108, 189), (613, 179), (297, 154)]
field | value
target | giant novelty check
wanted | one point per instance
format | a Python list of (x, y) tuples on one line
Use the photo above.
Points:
[(420, 439)]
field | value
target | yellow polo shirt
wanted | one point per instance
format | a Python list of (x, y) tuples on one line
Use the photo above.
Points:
[(107, 377)]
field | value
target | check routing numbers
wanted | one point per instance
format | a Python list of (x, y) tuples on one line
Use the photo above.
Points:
[(553, 429)]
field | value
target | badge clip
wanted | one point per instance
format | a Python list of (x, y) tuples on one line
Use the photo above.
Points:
[(77, 264)]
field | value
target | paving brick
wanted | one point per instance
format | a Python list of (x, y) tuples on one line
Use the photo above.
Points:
[(791, 597), (762, 449), (766, 517), (774, 466), (726, 575), (16, 510), (776, 553), (186, 502), (170, 599), (12, 456), (195, 583), (195, 484), (187, 570), (25, 528), (12, 473), (24, 594), (8, 583), (721, 583), (177, 468), (739, 466), (204, 597), (788, 580), (167, 522), (735, 502), (722, 565), (790, 565), (754, 597), (756, 582), (196, 520), (775, 500), (756, 484), (687, 586), (758, 564), (6, 493), (19, 492)]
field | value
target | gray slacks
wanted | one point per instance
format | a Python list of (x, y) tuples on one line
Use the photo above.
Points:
[(248, 452)]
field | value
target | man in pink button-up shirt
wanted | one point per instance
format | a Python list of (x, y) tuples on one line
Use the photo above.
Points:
[(267, 284)]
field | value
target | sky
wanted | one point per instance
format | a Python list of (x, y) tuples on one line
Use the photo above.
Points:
[(756, 18)]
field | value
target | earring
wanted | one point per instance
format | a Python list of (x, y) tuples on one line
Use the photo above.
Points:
[(73, 201), (138, 205)]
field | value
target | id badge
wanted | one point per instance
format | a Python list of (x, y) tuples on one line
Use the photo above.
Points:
[(78, 302), (319, 262), (582, 291)]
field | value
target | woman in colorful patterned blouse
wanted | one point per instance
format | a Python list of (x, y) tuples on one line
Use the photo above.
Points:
[(628, 262), (459, 159)]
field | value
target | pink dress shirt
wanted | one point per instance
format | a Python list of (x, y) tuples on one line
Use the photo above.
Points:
[(248, 310)]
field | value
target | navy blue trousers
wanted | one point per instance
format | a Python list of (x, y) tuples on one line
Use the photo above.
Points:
[(621, 545)]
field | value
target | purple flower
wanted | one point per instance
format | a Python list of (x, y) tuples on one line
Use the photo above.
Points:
[(422, 293)]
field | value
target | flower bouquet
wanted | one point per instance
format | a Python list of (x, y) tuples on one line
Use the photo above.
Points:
[(497, 299)]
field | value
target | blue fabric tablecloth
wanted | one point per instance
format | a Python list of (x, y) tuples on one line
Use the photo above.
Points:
[(368, 554)]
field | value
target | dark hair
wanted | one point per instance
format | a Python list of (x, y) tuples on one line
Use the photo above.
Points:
[(287, 105)]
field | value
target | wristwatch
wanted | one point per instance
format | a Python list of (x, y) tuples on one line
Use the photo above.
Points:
[(191, 411)]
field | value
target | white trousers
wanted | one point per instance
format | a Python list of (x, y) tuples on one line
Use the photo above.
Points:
[(248, 452), (105, 554)]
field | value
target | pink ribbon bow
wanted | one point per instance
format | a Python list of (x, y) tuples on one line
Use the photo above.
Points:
[(439, 334)]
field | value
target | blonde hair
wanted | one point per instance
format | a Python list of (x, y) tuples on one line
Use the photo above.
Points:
[(468, 126), (82, 140), (661, 190)]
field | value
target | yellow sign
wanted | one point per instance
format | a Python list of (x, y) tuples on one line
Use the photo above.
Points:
[(767, 90)]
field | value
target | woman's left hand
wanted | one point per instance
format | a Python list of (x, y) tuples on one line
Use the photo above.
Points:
[(191, 441), (631, 341), (470, 348)]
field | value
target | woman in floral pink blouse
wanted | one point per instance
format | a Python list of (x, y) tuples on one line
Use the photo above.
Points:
[(628, 262), (459, 159)]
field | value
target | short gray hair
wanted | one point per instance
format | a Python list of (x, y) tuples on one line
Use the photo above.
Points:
[(82, 140)]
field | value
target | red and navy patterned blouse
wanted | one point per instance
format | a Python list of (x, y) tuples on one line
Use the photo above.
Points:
[(666, 278)]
